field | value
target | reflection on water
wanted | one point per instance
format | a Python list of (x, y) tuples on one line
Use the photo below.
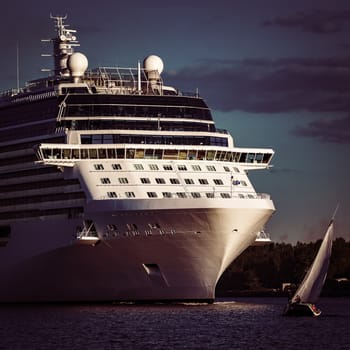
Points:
[(251, 323)]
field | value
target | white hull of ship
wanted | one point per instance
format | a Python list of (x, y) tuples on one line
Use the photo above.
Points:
[(44, 262)]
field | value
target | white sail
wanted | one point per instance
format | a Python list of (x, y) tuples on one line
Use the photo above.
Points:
[(310, 289)]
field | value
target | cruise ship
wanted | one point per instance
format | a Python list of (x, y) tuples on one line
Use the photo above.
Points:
[(117, 187)]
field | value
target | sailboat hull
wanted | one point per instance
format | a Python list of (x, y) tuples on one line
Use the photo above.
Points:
[(302, 309)]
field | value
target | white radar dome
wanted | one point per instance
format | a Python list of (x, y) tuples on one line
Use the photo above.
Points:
[(77, 64), (153, 63)]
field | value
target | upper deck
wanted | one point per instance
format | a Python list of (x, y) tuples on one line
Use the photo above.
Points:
[(71, 76)]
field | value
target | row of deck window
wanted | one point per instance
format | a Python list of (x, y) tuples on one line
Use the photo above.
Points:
[(125, 124), (148, 153), (113, 194), (155, 139), (95, 110), (168, 167), (173, 181)]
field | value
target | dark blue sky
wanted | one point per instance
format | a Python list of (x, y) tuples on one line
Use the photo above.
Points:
[(276, 73)]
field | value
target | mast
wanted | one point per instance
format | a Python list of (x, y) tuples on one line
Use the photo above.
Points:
[(63, 45), (17, 65), (139, 78)]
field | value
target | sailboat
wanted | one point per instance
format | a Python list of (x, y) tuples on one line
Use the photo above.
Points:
[(303, 301)]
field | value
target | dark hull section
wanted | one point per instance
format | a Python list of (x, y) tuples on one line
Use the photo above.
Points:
[(302, 309)]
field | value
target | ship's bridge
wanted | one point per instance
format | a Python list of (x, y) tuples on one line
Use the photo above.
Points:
[(68, 155)]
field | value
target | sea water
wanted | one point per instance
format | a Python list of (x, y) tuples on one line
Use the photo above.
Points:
[(239, 323)]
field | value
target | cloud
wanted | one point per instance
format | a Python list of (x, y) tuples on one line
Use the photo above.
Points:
[(317, 21), (264, 85), (331, 131)]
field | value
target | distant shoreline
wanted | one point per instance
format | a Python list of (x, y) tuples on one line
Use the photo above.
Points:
[(328, 292)]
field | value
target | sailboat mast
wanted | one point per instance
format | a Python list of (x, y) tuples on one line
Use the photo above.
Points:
[(334, 213)]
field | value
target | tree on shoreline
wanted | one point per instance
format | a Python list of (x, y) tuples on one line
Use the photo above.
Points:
[(271, 265)]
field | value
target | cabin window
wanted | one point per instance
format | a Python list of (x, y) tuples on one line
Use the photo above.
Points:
[(98, 166), (102, 154), (218, 182), (182, 167), (145, 180), (152, 194), (226, 168), (218, 155), (196, 194), (251, 157), (111, 153), (66, 153), (174, 181), (210, 155), (167, 167), (170, 154), (75, 154), (181, 194), (130, 153), (167, 194), (120, 153), (140, 153), (243, 158), (105, 180), (203, 181), (138, 166), (160, 180), (192, 154), (84, 154), (93, 153), (131, 227), (112, 195), (47, 152), (130, 194), (259, 157), (228, 157), (153, 167), (189, 181), (158, 154), (196, 168), (266, 157), (149, 153), (211, 168), (56, 153), (225, 195), (116, 167), (182, 154), (210, 194), (201, 155)]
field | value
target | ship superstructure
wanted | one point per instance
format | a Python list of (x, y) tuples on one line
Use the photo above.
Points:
[(115, 186)]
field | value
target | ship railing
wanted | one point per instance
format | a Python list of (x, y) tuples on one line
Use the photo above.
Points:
[(88, 230), (122, 80), (9, 93), (189, 94), (222, 131), (262, 238)]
